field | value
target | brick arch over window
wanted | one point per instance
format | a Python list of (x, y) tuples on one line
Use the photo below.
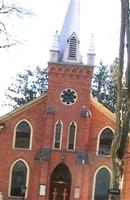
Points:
[(23, 135), (19, 174), (105, 141), (101, 185), (72, 136), (58, 135)]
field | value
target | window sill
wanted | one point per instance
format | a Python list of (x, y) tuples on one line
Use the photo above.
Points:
[(69, 150), (103, 155), (57, 149), (16, 197), (21, 149)]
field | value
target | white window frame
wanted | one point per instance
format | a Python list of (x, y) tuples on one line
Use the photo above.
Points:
[(94, 178), (31, 135), (98, 140), (60, 135), (74, 137), (10, 177)]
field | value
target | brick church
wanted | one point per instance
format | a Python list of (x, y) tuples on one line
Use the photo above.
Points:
[(57, 147)]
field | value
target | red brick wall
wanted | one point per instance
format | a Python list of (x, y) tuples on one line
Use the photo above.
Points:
[(35, 115), (60, 77), (78, 78)]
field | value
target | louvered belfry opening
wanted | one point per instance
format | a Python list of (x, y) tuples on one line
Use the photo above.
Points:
[(73, 48)]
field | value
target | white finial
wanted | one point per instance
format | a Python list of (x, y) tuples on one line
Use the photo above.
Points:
[(54, 51), (91, 51), (55, 44)]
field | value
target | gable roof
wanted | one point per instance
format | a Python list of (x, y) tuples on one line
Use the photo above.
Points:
[(93, 102), (103, 109), (23, 107)]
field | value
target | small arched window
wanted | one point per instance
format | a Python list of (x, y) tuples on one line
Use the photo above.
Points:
[(73, 48), (58, 135), (72, 136), (18, 179), (23, 135), (102, 184), (105, 142)]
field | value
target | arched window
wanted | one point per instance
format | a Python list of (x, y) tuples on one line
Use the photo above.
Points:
[(73, 48), (23, 135), (102, 184), (58, 135), (18, 179), (72, 136), (105, 142)]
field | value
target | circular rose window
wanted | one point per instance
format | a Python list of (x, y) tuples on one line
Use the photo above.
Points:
[(68, 96)]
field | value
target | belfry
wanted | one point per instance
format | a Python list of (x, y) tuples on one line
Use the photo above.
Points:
[(57, 147)]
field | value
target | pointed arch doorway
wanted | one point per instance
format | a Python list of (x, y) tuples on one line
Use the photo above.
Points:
[(60, 183)]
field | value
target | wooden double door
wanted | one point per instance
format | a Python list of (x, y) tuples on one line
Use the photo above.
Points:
[(60, 183), (60, 191)]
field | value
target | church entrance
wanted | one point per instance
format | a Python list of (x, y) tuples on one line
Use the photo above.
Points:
[(60, 183)]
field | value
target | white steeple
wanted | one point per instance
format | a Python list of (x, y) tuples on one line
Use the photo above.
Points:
[(54, 51), (91, 52), (70, 34)]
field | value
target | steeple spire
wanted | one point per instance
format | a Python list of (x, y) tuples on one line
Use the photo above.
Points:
[(69, 36)]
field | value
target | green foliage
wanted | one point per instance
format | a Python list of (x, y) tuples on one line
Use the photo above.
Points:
[(27, 86), (104, 85), (33, 83)]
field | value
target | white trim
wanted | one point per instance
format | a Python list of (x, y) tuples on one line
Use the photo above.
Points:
[(98, 140), (74, 136), (10, 176), (60, 134), (94, 178), (31, 135)]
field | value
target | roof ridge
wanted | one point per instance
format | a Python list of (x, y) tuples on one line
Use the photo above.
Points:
[(23, 107)]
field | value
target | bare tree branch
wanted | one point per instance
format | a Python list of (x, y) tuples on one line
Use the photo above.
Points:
[(6, 10)]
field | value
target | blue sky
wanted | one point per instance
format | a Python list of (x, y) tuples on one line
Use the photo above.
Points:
[(36, 33)]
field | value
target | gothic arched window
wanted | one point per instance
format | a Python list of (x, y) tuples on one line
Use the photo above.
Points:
[(102, 184), (105, 142), (72, 136), (58, 135), (73, 48), (23, 135), (18, 178)]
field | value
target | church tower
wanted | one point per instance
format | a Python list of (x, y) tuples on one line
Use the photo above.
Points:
[(68, 100), (69, 79)]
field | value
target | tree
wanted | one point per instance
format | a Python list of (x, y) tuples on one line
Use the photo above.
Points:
[(122, 115), (27, 86), (8, 8), (104, 85), (112, 86), (100, 82)]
